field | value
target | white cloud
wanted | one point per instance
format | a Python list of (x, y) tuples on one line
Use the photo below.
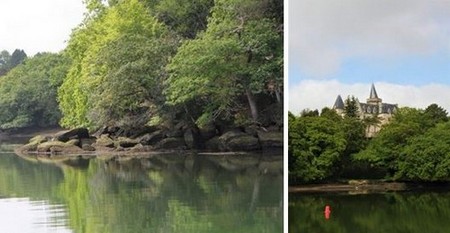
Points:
[(38, 26), (316, 94), (323, 33)]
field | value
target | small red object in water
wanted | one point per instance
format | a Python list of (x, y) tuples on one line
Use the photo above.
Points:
[(327, 212)]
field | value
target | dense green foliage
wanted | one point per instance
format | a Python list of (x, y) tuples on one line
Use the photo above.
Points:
[(28, 92), (117, 70), (152, 62), (320, 146), (239, 55), (414, 146), (9, 61), (147, 62)]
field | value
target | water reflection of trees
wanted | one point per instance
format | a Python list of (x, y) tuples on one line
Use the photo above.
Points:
[(388, 213), (169, 193)]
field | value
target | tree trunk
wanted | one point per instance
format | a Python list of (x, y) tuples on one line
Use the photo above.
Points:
[(252, 104)]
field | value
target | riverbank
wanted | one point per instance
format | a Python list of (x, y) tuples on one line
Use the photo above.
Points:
[(365, 186), (56, 143)]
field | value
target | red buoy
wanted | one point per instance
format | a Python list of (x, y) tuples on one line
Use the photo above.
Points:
[(327, 212)]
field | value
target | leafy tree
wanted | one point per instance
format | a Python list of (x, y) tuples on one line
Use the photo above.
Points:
[(117, 59), (17, 57), (435, 114), (9, 61), (129, 94), (185, 17), (315, 148), (385, 149), (5, 57), (351, 107), (309, 113), (238, 55), (371, 121), (28, 92), (330, 114), (427, 157)]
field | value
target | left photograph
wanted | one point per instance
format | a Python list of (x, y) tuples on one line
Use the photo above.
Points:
[(141, 116)]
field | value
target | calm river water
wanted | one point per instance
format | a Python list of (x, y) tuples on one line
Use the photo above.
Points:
[(171, 193), (405, 212)]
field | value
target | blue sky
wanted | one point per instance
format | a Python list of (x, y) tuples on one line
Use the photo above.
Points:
[(342, 46)]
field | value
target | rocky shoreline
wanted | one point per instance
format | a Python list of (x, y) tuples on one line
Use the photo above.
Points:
[(351, 188), (116, 141), (366, 187)]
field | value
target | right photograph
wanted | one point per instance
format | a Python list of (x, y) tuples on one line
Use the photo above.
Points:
[(369, 130)]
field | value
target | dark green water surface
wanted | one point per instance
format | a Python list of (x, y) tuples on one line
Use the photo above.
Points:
[(405, 212), (166, 193)]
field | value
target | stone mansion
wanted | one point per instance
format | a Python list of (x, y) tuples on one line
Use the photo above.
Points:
[(374, 107)]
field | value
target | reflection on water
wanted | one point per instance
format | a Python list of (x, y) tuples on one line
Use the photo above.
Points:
[(170, 193), (412, 212), (24, 215)]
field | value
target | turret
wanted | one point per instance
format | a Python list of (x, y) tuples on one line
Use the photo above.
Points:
[(373, 97)]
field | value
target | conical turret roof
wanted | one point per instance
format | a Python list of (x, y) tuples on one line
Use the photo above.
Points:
[(339, 103), (373, 92)]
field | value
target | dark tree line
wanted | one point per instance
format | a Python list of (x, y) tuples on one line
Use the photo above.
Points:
[(413, 146)]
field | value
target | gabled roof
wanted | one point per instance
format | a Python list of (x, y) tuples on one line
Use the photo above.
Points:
[(373, 92), (339, 103)]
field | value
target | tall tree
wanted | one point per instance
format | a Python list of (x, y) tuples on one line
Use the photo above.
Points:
[(9, 61), (118, 60), (351, 107), (17, 57), (316, 145), (185, 17), (239, 55), (5, 57)]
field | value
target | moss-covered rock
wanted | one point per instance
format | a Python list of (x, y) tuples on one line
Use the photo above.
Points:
[(243, 143), (67, 135), (104, 141), (271, 139), (58, 147), (126, 142), (151, 138), (38, 139), (74, 142), (238, 141)]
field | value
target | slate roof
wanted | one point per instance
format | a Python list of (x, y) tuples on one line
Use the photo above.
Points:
[(373, 92), (339, 103)]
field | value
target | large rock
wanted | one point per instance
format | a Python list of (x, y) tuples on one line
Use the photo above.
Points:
[(87, 141), (238, 141), (126, 142), (138, 132), (78, 133), (104, 141), (207, 132), (151, 138), (192, 138), (243, 143), (171, 143), (213, 144), (270, 139), (33, 144), (38, 139), (58, 147)]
